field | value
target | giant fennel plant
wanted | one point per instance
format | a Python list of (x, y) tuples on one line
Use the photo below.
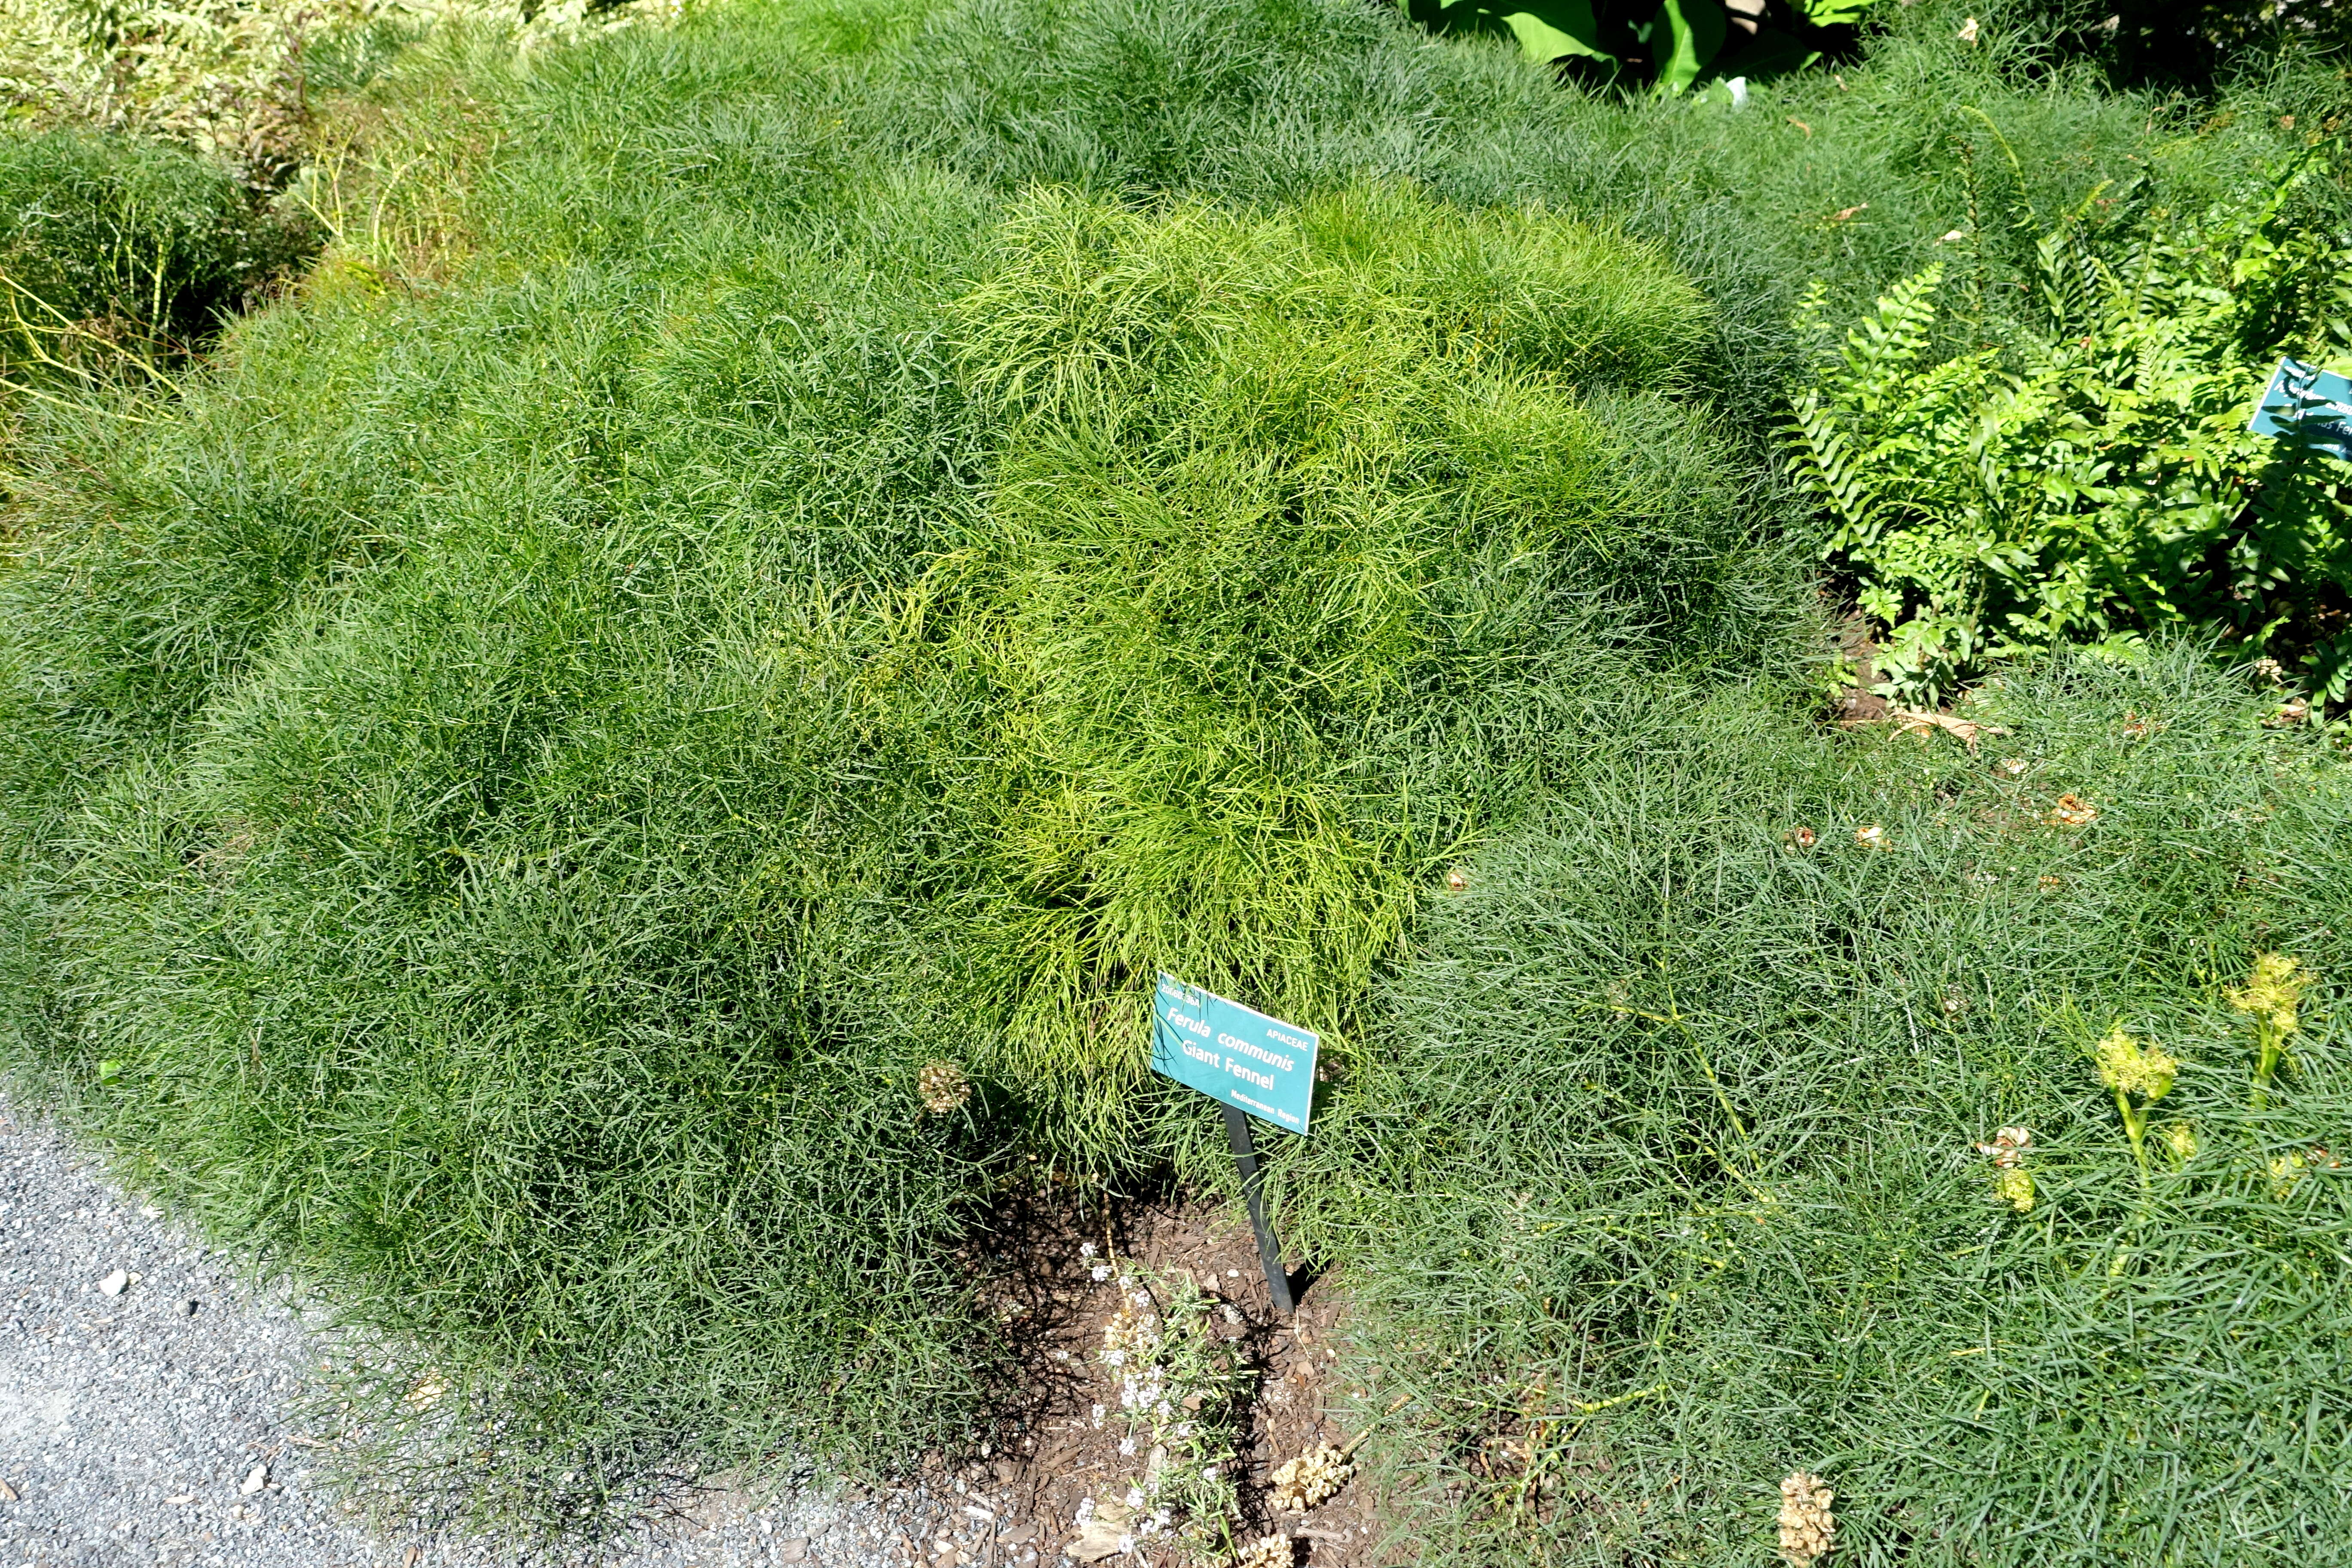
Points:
[(2091, 479)]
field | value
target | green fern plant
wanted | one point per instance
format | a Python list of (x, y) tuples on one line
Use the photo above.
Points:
[(2094, 480)]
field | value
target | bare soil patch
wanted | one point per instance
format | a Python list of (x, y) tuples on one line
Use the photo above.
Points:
[(1052, 1454)]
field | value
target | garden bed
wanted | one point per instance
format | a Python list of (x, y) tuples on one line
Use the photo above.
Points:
[(604, 779)]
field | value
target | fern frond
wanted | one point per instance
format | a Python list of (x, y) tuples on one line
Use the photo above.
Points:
[(2066, 279), (1884, 348), (1823, 463)]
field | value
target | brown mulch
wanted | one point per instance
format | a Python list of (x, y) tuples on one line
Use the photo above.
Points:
[(1050, 1457)]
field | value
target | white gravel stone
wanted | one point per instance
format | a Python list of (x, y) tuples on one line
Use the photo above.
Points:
[(154, 1428)]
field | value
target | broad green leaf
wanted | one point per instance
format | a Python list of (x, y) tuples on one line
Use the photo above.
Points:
[(1558, 30), (1696, 27), (1546, 31)]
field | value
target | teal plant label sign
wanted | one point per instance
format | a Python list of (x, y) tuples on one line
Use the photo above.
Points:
[(1233, 1053), (2309, 402)]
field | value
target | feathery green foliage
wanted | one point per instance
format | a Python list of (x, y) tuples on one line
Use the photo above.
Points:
[(1295, 524), (105, 237), (885, 527), (559, 839), (1669, 1169)]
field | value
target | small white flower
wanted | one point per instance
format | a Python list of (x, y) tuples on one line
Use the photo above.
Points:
[(1183, 1429), (1086, 1249), (1135, 1496), (1116, 1358), (1127, 1446), (1208, 1472), (1085, 1512), (1101, 1272), (1159, 1519), (1142, 1300), (1164, 1410), (1099, 1415), (1061, 1355), (1127, 1543)]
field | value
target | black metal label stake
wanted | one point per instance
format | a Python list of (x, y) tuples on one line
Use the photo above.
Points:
[(1269, 1250)]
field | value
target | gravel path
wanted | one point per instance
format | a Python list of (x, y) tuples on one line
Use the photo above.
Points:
[(143, 1392)]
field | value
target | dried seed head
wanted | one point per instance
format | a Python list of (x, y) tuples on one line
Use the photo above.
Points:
[(1799, 837), (2011, 1181), (1311, 1479), (1267, 1551), (1808, 1528), (2007, 1147), (2270, 669), (2292, 712), (2071, 811), (1873, 838), (943, 1088), (1129, 1332)]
